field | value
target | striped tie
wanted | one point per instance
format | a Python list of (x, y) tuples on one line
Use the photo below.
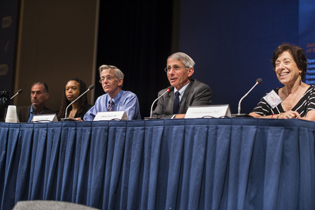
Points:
[(110, 105)]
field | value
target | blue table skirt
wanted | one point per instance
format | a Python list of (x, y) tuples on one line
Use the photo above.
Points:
[(231, 164)]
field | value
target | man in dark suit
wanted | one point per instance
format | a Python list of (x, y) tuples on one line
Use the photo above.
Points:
[(185, 91), (39, 94)]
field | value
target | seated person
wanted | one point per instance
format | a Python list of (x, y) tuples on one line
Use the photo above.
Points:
[(4, 103), (39, 94), (73, 89), (115, 98), (295, 99), (190, 92)]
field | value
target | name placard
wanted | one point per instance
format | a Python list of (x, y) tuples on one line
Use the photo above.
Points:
[(43, 118), (215, 111), (112, 115)]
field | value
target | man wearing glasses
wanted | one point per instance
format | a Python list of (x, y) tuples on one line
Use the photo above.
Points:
[(185, 91), (115, 98)]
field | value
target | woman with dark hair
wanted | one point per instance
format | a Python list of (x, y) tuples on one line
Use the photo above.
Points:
[(295, 99), (77, 110)]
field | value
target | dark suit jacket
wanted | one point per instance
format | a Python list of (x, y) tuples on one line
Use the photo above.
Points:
[(196, 94), (24, 112)]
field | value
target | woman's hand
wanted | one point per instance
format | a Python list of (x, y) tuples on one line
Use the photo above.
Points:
[(78, 119), (288, 115)]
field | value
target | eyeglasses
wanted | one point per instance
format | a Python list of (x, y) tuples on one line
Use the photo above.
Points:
[(175, 68), (108, 78)]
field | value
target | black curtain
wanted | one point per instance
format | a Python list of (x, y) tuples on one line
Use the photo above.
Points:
[(136, 37)]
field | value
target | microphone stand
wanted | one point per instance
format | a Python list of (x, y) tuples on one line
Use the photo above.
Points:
[(151, 110), (258, 81), (66, 111), (18, 92)]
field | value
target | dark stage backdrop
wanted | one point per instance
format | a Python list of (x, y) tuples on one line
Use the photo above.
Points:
[(136, 37), (8, 27), (232, 43), (307, 36)]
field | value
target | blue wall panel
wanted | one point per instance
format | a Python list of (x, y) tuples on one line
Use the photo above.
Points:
[(8, 18), (232, 43)]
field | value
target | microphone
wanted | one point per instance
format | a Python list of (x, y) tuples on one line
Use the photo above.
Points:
[(167, 91), (258, 81), (17, 93), (91, 87)]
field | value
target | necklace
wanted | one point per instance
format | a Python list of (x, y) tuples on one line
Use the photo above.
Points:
[(72, 113), (293, 102)]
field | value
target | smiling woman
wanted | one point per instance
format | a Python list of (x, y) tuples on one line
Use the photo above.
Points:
[(296, 99)]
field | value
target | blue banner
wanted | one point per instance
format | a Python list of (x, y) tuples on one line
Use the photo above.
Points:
[(307, 36), (232, 43), (8, 17)]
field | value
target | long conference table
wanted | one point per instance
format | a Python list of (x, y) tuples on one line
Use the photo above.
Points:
[(230, 163)]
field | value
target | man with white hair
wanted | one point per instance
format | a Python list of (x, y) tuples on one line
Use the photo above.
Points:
[(115, 98), (185, 91)]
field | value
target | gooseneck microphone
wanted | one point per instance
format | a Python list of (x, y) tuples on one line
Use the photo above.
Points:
[(91, 87), (167, 91), (258, 81), (17, 93)]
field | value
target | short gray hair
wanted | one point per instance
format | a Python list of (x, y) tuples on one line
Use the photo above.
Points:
[(184, 58), (118, 73)]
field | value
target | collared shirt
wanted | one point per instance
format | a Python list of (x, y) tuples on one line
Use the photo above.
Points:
[(124, 101), (32, 114), (181, 91)]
